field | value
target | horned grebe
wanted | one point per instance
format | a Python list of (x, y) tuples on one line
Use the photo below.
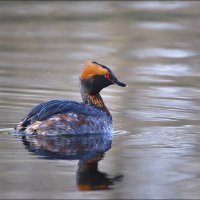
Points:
[(70, 117)]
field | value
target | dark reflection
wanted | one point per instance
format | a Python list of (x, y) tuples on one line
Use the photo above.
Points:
[(88, 149)]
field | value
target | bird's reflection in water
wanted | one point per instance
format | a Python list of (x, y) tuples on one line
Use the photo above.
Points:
[(89, 149)]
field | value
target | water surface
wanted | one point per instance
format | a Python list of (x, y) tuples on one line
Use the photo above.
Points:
[(152, 46)]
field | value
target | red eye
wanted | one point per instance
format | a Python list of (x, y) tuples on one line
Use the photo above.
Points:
[(107, 76)]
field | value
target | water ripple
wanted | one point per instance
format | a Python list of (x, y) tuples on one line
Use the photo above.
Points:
[(155, 5), (163, 52), (161, 26)]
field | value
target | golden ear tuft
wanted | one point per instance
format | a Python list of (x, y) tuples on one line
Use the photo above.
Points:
[(91, 69)]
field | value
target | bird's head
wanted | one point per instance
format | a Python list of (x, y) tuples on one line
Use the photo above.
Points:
[(94, 77)]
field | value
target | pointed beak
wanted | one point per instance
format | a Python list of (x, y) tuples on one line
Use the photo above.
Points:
[(116, 81), (119, 83)]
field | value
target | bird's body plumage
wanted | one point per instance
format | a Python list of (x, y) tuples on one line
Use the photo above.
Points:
[(62, 117)]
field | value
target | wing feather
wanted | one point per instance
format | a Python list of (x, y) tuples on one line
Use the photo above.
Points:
[(47, 109)]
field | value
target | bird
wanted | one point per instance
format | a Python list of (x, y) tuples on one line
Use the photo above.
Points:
[(58, 117)]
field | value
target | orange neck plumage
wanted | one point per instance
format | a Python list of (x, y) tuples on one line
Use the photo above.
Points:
[(95, 100)]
